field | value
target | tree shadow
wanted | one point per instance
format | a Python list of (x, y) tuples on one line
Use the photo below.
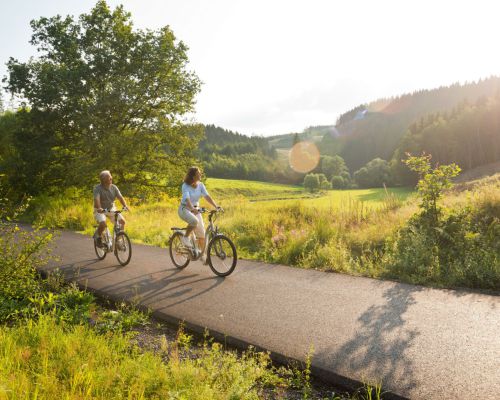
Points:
[(379, 348)]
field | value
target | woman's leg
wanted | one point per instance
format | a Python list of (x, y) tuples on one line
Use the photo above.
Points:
[(190, 218), (200, 232)]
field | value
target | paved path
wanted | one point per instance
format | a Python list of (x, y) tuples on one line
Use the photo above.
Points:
[(420, 343)]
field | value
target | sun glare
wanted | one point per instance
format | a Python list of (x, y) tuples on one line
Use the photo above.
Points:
[(303, 157)]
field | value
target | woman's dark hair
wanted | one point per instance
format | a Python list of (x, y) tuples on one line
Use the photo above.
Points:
[(191, 174)]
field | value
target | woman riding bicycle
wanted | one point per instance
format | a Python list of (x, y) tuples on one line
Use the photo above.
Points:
[(192, 190)]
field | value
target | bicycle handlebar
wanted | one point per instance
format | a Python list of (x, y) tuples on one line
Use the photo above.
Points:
[(114, 211), (204, 210)]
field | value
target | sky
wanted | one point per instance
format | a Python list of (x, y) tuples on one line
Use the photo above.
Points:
[(278, 66)]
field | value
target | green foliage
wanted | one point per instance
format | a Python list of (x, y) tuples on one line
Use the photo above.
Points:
[(338, 182), (314, 182), (378, 134), (333, 166), (431, 184), (468, 134), (123, 319), (462, 250), (452, 247), (23, 250), (374, 174), (325, 185), (53, 360), (103, 96), (311, 182)]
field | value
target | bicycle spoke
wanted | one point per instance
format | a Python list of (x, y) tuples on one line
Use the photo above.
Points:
[(123, 248), (222, 256), (178, 252)]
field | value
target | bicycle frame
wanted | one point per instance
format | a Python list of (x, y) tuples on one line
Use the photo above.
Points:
[(111, 237), (211, 231), (221, 255)]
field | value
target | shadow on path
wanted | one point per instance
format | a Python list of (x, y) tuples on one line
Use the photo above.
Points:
[(381, 343)]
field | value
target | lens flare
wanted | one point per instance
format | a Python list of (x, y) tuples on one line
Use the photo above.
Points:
[(303, 157)]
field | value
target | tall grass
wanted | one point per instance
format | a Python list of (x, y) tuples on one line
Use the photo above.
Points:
[(47, 360)]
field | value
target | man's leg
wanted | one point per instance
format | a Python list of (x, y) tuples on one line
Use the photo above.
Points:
[(121, 221), (102, 227)]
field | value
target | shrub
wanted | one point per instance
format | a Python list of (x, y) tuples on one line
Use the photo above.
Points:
[(311, 182), (338, 182), (22, 250)]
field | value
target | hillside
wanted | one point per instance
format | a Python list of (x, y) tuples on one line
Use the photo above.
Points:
[(378, 132), (457, 123), (374, 130)]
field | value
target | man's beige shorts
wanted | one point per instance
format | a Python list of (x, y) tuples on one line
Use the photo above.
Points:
[(101, 217)]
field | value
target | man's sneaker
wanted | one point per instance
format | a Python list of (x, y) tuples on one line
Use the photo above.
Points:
[(98, 240), (185, 241)]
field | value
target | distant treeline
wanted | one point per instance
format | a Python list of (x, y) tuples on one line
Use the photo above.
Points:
[(226, 154)]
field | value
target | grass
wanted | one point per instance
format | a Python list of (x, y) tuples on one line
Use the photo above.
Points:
[(44, 359), (231, 188)]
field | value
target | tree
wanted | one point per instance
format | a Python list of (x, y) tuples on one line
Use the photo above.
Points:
[(374, 174), (338, 182), (333, 166), (104, 96), (311, 182), (432, 182)]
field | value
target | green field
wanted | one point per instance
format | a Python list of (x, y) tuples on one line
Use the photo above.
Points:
[(228, 189), (232, 188)]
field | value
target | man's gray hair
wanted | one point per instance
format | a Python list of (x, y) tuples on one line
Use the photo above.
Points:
[(104, 173)]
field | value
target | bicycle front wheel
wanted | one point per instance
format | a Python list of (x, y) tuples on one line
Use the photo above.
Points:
[(178, 252), (123, 248), (221, 255), (99, 251)]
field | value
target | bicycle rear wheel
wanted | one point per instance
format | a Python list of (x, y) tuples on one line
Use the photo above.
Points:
[(178, 252), (123, 248), (221, 255)]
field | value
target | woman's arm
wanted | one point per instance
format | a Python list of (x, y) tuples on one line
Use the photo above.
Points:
[(190, 206), (210, 200)]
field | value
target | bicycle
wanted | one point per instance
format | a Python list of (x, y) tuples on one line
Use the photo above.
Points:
[(220, 250), (118, 243)]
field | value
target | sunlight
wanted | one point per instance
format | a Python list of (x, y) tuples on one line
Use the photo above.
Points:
[(303, 157)]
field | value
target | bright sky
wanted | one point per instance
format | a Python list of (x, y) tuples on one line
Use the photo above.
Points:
[(279, 66)]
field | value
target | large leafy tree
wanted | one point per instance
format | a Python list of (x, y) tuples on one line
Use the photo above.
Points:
[(103, 95)]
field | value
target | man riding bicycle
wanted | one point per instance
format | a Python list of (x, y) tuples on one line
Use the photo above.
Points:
[(104, 196)]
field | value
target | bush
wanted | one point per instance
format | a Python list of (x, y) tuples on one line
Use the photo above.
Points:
[(311, 182), (457, 247), (338, 182), (376, 173), (22, 251)]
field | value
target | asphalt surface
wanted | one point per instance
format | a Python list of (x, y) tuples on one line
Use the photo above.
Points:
[(418, 342)]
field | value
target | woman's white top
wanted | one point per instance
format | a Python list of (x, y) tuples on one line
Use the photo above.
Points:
[(193, 194)]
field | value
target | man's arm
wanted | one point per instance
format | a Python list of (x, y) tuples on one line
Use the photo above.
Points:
[(122, 200), (97, 203)]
